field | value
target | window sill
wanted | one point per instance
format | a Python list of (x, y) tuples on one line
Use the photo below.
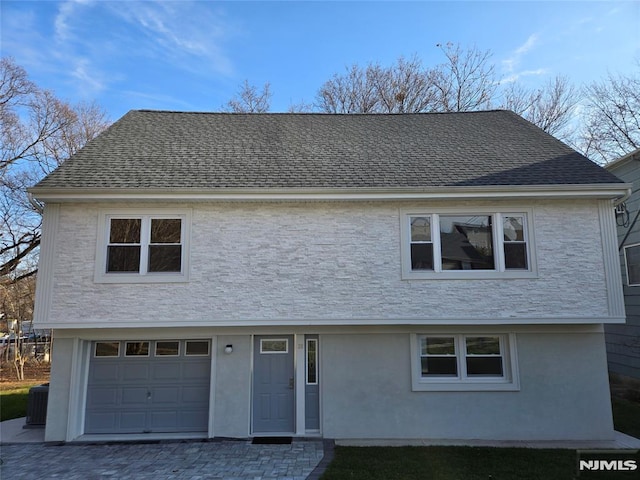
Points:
[(468, 275), (459, 386), (137, 278)]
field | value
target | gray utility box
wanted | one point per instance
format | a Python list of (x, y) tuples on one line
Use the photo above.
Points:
[(37, 406)]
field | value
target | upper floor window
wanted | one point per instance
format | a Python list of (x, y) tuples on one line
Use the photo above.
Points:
[(142, 247), (467, 245)]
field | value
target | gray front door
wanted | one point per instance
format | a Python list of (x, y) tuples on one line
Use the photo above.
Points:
[(273, 384)]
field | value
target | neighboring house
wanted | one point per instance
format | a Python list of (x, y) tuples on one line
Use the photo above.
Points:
[(440, 276), (623, 341)]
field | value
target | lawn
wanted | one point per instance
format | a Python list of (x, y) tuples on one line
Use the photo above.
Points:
[(13, 401), (471, 463)]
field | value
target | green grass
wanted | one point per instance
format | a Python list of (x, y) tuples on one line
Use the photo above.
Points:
[(449, 463), (13, 402), (474, 463)]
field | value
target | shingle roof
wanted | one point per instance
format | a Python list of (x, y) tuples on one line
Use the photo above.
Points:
[(159, 149)]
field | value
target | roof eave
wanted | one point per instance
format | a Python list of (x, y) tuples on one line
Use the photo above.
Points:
[(614, 191)]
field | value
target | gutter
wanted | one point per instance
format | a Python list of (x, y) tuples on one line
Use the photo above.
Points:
[(616, 191)]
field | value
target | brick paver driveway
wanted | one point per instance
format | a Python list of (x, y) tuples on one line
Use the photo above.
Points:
[(227, 460)]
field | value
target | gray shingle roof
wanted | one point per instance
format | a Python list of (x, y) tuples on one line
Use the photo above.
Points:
[(158, 149)]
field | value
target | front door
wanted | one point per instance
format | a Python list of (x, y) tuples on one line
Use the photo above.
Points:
[(273, 384)]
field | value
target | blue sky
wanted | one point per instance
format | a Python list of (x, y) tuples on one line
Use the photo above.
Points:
[(193, 55)]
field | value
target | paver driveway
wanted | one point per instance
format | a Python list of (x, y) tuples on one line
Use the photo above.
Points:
[(227, 460)]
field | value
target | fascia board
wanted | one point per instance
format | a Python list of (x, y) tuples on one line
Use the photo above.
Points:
[(608, 190), (353, 322)]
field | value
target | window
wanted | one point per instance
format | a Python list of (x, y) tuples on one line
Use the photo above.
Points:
[(632, 262), (107, 349), (167, 348), (278, 345), (197, 347), (143, 247), (136, 349), (312, 361), (469, 245), (464, 362)]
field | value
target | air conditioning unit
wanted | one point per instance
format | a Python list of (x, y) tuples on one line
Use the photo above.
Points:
[(37, 406)]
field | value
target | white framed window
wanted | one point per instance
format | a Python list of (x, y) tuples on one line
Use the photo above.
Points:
[(195, 348), (107, 349), (167, 348), (274, 345), (143, 246), (457, 362), (312, 361), (632, 264), (457, 244), (136, 349)]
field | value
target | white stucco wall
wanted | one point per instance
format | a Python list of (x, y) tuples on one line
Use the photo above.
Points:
[(366, 392), (266, 262), (564, 393)]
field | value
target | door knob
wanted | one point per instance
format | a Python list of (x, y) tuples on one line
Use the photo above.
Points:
[(291, 383)]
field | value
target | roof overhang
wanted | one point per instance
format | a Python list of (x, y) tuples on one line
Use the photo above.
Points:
[(614, 191), (618, 162)]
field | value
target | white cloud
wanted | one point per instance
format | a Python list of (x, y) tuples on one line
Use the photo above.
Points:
[(66, 13), (515, 58), (179, 32)]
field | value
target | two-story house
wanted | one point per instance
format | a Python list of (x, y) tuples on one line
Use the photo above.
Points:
[(440, 276)]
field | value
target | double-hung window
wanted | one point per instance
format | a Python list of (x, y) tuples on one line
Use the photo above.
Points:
[(143, 247), (467, 245), (464, 362)]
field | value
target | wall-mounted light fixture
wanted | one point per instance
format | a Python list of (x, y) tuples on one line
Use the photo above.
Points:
[(228, 349)]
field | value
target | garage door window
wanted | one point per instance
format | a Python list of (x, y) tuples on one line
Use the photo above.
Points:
[(107, 349), (195, 348), (137, 349), (167, 349)]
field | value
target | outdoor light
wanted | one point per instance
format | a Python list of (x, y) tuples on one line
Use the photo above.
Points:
[(228, 349)]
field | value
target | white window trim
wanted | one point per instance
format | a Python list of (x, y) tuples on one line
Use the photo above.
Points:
[(155, 348), (510, 380), (309, 341), (498, 245), (626, 265), (126, 343), (105, 216), (268, 352)]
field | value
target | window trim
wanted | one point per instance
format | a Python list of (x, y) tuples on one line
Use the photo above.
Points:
[(308, 342), (626, 264), (102, 276), (509, 381), (499, 270)]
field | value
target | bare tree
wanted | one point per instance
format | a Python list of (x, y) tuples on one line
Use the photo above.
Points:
[(611, 126), (550, 107), (250, 100), (466, 80), (37, 133), (353, 92)]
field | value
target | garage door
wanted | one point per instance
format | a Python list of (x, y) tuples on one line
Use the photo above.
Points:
[(148, 387)]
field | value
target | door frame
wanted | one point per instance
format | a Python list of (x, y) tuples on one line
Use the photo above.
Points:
[(299, 365), (292, 350)]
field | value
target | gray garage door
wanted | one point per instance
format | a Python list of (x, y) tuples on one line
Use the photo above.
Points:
[(148, 386)]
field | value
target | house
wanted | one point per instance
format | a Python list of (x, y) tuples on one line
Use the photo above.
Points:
[(623, 340), (440, 276)]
